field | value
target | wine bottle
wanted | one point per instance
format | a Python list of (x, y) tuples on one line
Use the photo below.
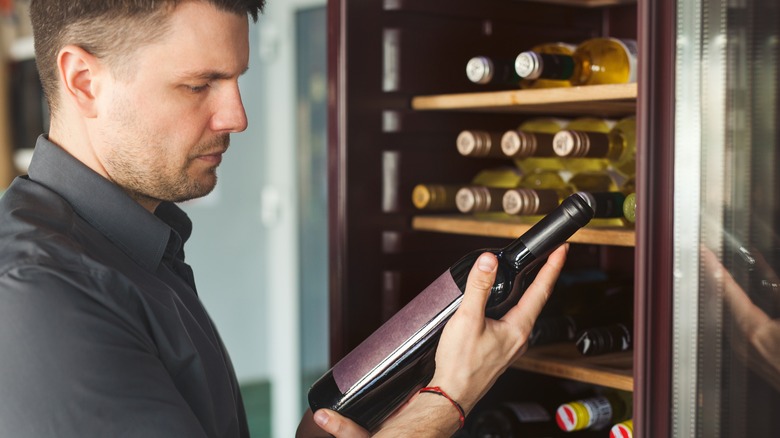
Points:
[(595, 61), (595, 413), (371, 381), (629, 208), (555, 48), (476, 143), (514, 419), (483, 196), (488, 70), (583, 305), (435, 197), (531, 147), (610, 338), (540, 192), (615, 148), (624, 429)]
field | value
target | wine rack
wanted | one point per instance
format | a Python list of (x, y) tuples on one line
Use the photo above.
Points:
[(613, 370), (396, 114)]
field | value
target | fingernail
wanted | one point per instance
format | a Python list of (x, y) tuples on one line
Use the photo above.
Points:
[(321, 418), (486, 263)]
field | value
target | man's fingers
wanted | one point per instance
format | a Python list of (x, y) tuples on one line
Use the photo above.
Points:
[(337, 425), (478, 285), (535, 297)]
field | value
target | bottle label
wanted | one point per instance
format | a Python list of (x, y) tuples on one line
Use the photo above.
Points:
[(529, 412), (379, 348)]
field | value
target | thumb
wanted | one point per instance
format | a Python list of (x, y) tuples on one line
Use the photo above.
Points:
[(478, 285), (337, 425)]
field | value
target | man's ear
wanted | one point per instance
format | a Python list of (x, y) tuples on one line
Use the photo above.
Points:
[(79, 73)]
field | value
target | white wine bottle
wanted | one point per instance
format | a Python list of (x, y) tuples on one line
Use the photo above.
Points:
[(555, 48), (585, 124), (435, 197), (540, 192), (381, 373), (483, 196), (489, 70), (531, 144), (615, 148), (478, 143), (595, 61)]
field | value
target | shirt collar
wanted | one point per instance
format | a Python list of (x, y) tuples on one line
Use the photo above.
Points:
[(141, 235)]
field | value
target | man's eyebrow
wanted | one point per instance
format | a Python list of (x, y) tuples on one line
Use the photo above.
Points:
[(210, 75)]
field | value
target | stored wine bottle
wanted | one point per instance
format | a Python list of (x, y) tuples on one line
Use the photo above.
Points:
[(610, 338), (586, 124), (595, 61), (435, 197), (513, 420), (556, 48), (371, 381), (477, 143), (582, 306), (531, 145), (623, 429), (595, 413), (616, 148), (483, 196), (540, 192), (489, 70), (629, 208)]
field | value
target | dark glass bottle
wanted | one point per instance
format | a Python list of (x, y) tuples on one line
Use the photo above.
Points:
[(610, 338), (370, 382), (514, 420)]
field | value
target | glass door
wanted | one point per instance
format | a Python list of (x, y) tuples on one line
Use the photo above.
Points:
[(726, 292)]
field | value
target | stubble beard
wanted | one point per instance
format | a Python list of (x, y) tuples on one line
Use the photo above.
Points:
[(156, 179)]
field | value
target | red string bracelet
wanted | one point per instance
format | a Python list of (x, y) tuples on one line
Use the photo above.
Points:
[(439, 391)]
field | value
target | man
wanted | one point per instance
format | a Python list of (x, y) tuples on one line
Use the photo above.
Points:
[(101, 330)]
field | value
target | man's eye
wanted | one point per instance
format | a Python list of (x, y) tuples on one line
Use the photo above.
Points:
[(197, 88)]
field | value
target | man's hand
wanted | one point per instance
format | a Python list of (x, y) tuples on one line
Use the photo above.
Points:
[(475, 350), (326, 423)]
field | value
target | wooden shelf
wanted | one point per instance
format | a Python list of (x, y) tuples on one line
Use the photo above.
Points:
[(585, 3), (606, 100), (511, 229), (614, 370)]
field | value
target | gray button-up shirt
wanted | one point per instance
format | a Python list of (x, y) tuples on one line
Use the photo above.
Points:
[(102, 333)]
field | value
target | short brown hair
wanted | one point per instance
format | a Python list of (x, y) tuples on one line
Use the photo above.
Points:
[(107, 29)]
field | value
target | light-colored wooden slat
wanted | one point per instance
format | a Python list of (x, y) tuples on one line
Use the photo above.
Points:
[(614, 370), (587, 3), (615, 99), (509, 229)]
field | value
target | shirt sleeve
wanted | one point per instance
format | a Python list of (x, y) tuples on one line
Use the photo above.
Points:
[(73, 364)]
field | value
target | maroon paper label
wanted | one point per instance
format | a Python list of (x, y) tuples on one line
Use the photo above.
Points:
[(397, 330)]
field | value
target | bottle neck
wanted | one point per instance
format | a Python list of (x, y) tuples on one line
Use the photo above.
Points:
[(533, 65), (529, 202), (581, 144), (472, 143), (521, 144)]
